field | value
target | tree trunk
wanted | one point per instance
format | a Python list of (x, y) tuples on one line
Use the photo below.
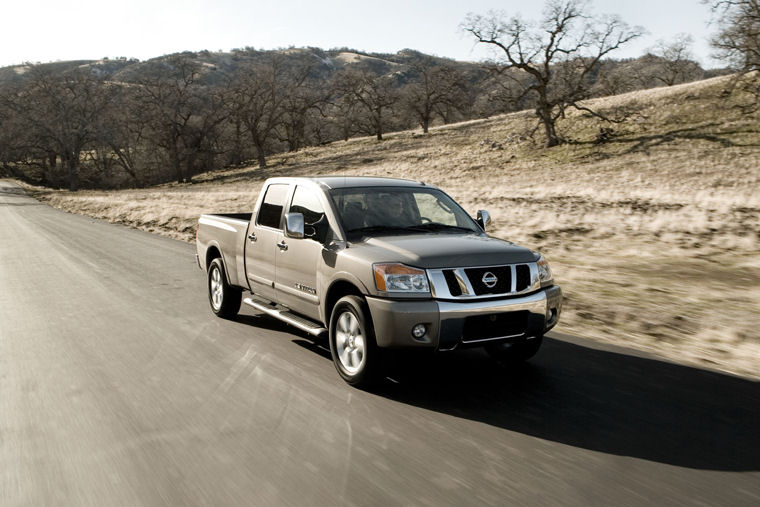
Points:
[(237, 150), (262, 157), (552, 139), (72, 164), (379, 123), (176, 165), (425, 123), (189, 169)]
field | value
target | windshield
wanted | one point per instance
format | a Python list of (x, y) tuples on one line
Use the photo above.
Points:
[(399, 210)]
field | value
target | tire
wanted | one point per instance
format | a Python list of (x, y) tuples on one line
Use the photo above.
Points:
[(516, 352), (352, 342), (223, 298)]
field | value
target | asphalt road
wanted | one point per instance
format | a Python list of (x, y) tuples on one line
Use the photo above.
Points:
[(119, 387)]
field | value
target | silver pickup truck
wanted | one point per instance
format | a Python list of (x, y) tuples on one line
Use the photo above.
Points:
[(377, 263)]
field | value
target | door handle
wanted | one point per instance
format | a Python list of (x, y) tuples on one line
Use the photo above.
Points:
[(282, 245), (252, 237)]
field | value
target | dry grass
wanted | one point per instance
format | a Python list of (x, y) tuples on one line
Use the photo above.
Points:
[(653, 235)]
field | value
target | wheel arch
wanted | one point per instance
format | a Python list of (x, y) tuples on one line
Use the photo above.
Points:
[(338, 289), (214, 252)]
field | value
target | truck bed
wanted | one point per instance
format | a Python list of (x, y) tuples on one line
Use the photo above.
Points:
[(226, 233)]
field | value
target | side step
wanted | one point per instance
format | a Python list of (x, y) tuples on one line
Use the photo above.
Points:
[(285, 315)]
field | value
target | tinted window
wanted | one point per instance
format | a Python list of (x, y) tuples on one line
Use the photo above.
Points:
[(271, 209), (305, 201)]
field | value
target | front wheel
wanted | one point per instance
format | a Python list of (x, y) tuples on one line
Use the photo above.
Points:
[(515, 352), (224, 298), (352, 342)]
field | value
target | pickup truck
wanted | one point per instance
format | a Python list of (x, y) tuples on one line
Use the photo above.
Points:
[(374, 264)]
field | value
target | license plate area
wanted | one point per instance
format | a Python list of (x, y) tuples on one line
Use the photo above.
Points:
[(495, 325)]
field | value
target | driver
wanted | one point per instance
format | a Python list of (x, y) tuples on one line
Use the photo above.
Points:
[(388, 209)]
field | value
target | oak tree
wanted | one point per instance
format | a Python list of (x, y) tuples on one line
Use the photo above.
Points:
[(556, 57)]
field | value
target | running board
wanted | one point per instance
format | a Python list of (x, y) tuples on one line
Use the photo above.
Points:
[(282, 313)]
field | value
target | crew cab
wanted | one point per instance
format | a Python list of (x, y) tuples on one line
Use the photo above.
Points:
[(377, 263)]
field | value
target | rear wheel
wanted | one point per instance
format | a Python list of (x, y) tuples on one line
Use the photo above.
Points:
[(512, 353), (224, 299), (352, 342)]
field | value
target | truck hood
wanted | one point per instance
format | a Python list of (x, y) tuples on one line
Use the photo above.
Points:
[(441, 250)]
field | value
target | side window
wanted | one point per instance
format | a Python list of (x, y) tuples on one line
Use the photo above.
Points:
[(271, 209), (307, 202)]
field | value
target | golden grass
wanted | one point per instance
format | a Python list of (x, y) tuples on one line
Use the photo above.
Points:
[(654, 235)]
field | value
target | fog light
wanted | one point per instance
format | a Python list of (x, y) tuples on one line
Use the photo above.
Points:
[(419, 331)]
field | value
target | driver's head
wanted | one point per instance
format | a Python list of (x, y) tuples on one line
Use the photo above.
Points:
[(388, 208)]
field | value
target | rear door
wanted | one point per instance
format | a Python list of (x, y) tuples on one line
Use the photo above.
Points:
[(296, 278), (263, 235)]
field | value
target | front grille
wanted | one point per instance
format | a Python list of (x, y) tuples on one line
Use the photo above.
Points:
[(497, 325), (503, 275), (522, 275), (451, 282), (473, 282)]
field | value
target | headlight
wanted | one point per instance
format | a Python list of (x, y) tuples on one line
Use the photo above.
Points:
[(400, 278), (544, 272)]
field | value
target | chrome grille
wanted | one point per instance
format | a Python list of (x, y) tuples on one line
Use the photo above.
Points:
[(473, 282), (522, 277), (455, 289), (502, 285)]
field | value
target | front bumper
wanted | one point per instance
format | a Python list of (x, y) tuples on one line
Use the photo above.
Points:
[(454, 324)]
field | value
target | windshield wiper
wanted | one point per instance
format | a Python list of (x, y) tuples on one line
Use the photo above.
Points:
[(428, 227), (437, 226), (378, 228)]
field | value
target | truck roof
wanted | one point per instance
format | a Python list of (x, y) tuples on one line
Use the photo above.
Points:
[(352, 181)]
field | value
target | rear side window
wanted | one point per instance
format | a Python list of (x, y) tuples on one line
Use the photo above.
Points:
[(271, 209)]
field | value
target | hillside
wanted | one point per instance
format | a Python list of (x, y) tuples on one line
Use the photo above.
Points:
[(652, 228), (218, 64), (118, 123)]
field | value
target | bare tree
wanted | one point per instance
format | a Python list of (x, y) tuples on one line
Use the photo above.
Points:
[(559, 55), (738, 37), (302, 97), (256, 99), (59, 113), (11, 139), (344, 110), (436, 89), (676, 63), (616, 77), (738, 42), (181, 113), (375, 95), (121, 135)]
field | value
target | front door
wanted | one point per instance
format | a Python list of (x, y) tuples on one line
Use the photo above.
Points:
[(261, 244), (297, 263)]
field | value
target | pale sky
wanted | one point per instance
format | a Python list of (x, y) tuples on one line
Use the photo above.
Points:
[(43, 31)]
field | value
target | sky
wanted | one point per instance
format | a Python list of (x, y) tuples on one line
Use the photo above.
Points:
[(44, 31)]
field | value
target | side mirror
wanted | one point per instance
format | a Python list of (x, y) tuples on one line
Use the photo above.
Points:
[(483, 218), (294, 225)]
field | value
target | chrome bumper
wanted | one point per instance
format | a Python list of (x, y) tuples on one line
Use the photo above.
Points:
[(446, 321)]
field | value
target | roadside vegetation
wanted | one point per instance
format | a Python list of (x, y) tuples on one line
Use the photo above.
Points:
[(651, 226)]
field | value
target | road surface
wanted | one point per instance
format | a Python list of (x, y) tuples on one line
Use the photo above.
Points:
[(119, 387)]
